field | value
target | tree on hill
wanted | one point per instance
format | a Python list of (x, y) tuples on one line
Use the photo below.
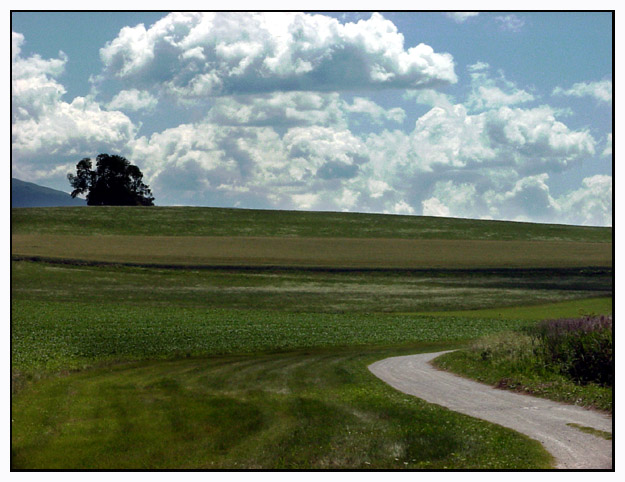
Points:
[(115, 182)]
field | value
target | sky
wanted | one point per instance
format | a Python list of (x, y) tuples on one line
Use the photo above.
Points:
[(489, 115)]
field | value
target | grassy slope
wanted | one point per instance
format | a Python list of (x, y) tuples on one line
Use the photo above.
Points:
[(202, 236), (191, 221), (318, 407)]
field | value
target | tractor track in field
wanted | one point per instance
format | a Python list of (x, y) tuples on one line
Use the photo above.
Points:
[(540, 419)]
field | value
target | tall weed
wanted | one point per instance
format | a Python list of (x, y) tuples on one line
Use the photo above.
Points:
[(580, 348)]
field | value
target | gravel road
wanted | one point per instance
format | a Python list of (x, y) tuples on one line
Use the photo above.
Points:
[(540, 419)]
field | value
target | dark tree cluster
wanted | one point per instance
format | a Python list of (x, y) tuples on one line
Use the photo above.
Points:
[(115, 182)]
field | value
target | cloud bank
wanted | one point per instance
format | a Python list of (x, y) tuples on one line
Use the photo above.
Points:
[(282, 118)]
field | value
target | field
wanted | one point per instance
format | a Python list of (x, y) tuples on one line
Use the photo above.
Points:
[(217, 338)]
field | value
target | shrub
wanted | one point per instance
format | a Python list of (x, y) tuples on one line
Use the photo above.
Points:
[(580, 348)]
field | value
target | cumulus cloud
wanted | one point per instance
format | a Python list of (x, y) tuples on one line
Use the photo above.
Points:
[(434, 207), (487, 92), (272, 128), (600, 90), (133, 100), (323, 153), (591, 204), (71, 129), (46, 130), (194, 55), (450, 199), (446, 139), (401, 207), (285, 109), (461, 17), (533, 139), (527, 199), (361, 105), (217, 165), (33, 83)]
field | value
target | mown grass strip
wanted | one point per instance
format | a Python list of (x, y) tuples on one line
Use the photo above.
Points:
[(319, 409)]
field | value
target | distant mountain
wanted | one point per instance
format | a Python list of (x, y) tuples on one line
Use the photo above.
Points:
[(30, 195)]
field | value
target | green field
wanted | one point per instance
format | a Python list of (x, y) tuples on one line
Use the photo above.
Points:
[(195, 221), (137, 343)]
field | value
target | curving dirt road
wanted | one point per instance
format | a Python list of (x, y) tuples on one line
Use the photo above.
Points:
[(540, 419)]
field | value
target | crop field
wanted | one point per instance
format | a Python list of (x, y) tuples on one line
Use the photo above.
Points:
[(217, 338)]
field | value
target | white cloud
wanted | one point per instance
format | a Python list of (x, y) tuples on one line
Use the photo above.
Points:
[(510, 22), (487, 92), (528, 140), (434, 207), (377, 188), (450, 199), (323, 153), (607, 151), (534, 140), (478, 66), (600, 90), (213, 164), (591, 204), (294, 141), (71, 129), (305, 201), (431, 97), (492, 96), (279, 109), (201, 54), (361, 105), (402, 207), (133, 100), (527, 199), (48, 132), (33, 84), (461, 17)]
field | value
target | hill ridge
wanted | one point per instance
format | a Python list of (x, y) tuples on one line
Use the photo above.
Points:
[(29, 194), (207, 221)]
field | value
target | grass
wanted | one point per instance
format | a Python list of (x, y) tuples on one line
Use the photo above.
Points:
[(304, 291), (122, 366), (329, 253), (316, 409), (196, 221), (522, 360), (51, 336), (592, 431), (563, 309)]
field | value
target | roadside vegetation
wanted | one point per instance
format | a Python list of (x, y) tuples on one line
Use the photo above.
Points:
[(569, 360), (120, 366)]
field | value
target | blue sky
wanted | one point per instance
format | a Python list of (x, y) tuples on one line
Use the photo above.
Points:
[(494, 115)]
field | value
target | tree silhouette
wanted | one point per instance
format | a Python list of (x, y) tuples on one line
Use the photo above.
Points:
[(115, 182)]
